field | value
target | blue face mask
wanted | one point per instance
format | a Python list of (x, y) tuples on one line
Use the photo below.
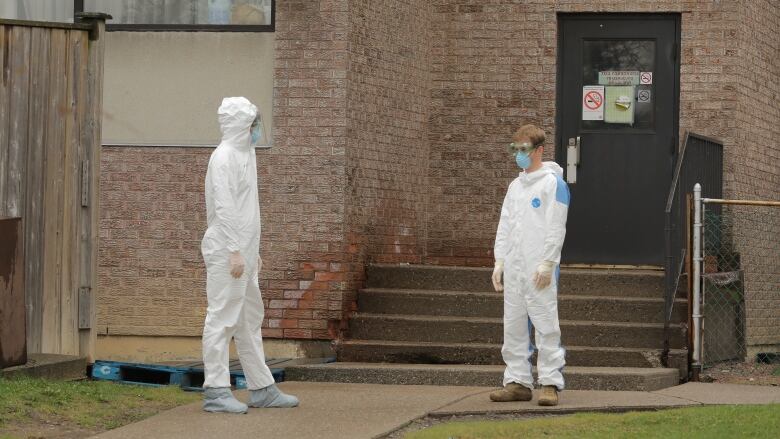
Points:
[(523, 160), (255, 132)]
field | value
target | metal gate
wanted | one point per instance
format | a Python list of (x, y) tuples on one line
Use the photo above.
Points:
[(736, 286)]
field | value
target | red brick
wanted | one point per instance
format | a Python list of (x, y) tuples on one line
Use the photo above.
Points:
[(325, 276)]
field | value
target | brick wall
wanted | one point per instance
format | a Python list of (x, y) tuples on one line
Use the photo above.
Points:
[(344, 184), (486, 83), (494, 68), (391, 122), (756, 173), (387, 108), (151, 273), (304, 176)]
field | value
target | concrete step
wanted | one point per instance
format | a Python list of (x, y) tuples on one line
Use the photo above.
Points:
[(49, 366), (382, 351), (475, 304), (577, 378), (445, 329), (619, 283)]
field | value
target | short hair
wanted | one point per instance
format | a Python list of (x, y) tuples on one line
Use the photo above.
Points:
[(530, 132)]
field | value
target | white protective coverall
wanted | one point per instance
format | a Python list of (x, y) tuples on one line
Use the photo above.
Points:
[(235, 309), (531, 230)]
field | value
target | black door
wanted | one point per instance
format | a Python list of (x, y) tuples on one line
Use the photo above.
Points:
[(609, 63)]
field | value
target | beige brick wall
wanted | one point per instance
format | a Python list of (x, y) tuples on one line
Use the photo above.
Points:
[(304, 178), (757, 169), (152, 218), (387, 108)]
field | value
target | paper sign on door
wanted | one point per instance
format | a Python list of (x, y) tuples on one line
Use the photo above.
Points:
[(620, 104)]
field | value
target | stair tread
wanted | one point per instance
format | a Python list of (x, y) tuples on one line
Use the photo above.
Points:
[(564, 269), (499, 320), (497, 345), (432, 292), (456, 316), (492, 368), (487, 294)]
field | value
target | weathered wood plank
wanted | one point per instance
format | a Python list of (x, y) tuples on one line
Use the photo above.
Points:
[(18, 81), (19, 54), (93, 144), (35, 167), (4, 107), (78, 42), (54, 241)]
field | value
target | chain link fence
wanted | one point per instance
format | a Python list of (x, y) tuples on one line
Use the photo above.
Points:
[(740, 291)]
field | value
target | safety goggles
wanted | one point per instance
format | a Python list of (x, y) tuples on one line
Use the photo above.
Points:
[(524, 147)]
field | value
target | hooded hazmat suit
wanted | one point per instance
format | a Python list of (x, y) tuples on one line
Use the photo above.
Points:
[(235, 309), (531, 230)]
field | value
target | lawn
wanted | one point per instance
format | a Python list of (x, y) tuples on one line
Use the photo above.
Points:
[(695, 422), (31, 407)]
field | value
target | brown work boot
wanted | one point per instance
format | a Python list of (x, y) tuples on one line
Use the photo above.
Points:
[(511, 392), (549, 396)]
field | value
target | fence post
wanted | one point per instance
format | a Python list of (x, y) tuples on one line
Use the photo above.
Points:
[(91, 140), (697, 258)]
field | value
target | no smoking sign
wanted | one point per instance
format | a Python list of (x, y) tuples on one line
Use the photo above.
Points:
[(644, 96), (646, 78), (593, 102)]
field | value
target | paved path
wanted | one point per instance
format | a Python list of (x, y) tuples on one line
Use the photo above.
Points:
[(364, 411)]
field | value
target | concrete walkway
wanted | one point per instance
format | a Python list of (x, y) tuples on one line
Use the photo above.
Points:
[(332, 410)]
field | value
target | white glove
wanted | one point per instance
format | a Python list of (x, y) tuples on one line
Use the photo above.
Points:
[(498, 270), (236, 264), (543, 275)]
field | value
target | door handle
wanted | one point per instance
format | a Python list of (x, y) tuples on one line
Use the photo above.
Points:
[(572, 159)]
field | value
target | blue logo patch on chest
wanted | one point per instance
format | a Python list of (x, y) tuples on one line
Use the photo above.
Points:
[(536, 202)]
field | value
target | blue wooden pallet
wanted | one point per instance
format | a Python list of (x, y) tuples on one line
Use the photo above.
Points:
[(186, 377)]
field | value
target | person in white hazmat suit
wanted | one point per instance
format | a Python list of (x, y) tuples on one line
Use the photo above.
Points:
[(528, 253), (231, 250)]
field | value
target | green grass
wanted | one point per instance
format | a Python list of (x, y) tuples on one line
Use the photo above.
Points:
[(695, 422), (88, 404)]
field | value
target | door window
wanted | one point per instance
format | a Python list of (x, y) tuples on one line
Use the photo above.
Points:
[(624, 61)]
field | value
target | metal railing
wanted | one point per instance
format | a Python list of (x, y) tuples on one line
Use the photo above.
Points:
[(736, 286), (700, 159)]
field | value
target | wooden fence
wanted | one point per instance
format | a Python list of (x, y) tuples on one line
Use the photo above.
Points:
[(50, 107)]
